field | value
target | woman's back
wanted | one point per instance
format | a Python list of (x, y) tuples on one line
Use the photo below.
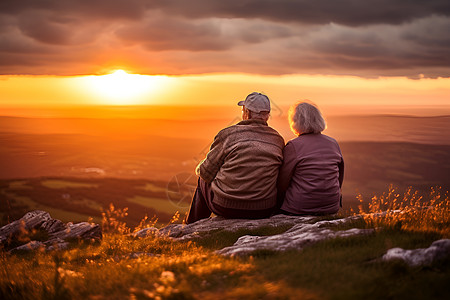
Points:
[(311, 175)]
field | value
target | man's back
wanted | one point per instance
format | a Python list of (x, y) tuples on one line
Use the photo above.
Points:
[(248, 156), (238, 177)]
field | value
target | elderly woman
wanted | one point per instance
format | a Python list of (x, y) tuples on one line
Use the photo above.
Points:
[(312, 172)]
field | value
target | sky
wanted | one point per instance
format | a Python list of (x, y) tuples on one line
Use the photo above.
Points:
[(372, 56)]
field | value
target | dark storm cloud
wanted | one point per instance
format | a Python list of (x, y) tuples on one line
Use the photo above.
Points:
[(173, 34), (347, 12), (367, 38), (45, 30), (108, 9), (167, 33)]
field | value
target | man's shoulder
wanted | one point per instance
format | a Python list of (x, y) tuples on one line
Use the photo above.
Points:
[(241, 133), (227, 130), (251, 128)]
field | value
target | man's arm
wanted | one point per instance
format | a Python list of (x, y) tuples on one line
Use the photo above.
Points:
[(207, 169)]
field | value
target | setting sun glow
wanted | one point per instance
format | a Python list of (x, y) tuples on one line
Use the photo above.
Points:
[(121, 88)]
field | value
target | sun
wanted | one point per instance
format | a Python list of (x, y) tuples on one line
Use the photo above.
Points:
[(122, 88)]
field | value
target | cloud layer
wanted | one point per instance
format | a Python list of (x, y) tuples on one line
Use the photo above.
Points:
[(364, 38)]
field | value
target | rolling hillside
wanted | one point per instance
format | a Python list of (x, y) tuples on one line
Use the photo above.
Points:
[(77, 173)]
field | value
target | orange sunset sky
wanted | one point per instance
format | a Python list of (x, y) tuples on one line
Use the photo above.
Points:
[(374, 56)]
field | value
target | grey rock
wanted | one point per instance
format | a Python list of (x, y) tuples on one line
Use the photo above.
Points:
[(149, 231), (31, 220), (214, 224), (60, 245), (53, 225), (136, 255), (305, 230), (298, 237), (82, 231), (420, 257), (59, 234), (33, 245)]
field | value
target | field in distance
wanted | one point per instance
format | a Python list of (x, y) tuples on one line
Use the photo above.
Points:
[(74, 168), (79, 199)]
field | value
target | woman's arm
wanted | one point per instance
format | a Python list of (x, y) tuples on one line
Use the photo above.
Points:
[(287, 168), (341, 172)]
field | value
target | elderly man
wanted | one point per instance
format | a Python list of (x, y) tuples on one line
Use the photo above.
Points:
[(237, 179)]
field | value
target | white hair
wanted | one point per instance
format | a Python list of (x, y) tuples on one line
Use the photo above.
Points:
[(306, 118)]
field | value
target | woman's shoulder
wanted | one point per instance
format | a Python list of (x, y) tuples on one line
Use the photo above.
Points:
[(329, 138), (313, 139)]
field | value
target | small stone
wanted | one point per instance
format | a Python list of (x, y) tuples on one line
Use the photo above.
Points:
[(438, 250)]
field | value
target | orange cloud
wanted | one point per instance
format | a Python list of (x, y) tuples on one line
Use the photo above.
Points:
[(363, 38)]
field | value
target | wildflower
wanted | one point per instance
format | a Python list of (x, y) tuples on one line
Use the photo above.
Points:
[(167, 276), (69, 273)]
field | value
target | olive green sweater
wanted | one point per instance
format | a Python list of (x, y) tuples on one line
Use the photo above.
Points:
[(242, 165)]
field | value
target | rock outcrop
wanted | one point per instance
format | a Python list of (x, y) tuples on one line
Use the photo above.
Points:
[(304, 231), (298, 237), (299, 232), (206, 226), (58, 235), (438, 250)]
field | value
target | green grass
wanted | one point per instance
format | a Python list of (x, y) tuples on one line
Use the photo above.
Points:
[(86, 197), (17, 185), (350, 268), (62, 184), (346, 268), (56, 213), (122, 267), (162, 205), (152, 188)]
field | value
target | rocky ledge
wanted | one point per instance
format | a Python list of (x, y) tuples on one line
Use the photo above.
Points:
[(302, 232), (54, 233), (296, 233)]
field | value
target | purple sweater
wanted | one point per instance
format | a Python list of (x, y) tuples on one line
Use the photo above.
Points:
[(311, 175)]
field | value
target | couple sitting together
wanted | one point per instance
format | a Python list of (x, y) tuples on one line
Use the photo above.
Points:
[(249, 173)]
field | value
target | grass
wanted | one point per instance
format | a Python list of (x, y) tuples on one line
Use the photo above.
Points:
[(56, 213), (62, 184), (20, 184), (152, 188), (162, 205), (85, 197), (408, 211), (348, 268), (122, 267)]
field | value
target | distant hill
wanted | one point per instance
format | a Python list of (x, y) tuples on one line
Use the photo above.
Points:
[(378, 151), (395, 128)]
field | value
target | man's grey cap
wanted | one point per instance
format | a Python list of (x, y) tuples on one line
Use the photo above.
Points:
[(256, 102)]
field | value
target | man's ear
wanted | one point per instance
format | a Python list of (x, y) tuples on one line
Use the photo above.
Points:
[(245, 112)]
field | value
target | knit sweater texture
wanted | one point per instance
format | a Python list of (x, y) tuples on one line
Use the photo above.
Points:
[(242, 165)]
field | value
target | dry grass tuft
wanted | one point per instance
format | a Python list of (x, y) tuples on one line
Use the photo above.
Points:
[(410, 211)]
